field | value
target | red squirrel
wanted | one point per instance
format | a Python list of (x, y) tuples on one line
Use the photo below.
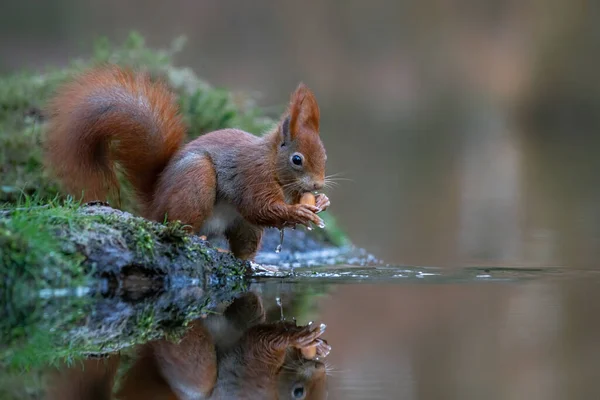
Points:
[(224, 182)]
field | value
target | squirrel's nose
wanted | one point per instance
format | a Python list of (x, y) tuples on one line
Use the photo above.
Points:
[(318, 185), (320, 367)]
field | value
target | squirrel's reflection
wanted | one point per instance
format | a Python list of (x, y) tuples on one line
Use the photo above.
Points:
[(231, 355)]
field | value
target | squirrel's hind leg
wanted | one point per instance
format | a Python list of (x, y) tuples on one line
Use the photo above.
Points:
[(245, 311), (186, 191), (244, 238)]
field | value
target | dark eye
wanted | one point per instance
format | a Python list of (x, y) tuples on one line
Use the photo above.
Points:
[(297, 159), (298, 392)]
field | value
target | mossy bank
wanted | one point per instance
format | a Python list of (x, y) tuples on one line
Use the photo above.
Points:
[(53, 246)]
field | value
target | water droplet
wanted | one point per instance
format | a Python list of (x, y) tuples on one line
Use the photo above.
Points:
[(280, 245), (278, 301)]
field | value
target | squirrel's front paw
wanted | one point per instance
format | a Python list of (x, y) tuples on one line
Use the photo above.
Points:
[(323, 348), (307, 335), (322, 202), (305, 214), (317, 349), (284, 334)]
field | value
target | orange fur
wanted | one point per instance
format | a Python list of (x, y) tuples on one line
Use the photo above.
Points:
[(110, 115), (304, 110), (88, 379)]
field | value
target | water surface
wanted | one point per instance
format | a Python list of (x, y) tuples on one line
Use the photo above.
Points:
[(431, 333)]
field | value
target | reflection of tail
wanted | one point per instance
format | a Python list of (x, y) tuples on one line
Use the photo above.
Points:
[(91, 379)]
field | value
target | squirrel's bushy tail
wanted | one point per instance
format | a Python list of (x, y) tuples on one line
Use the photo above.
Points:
[(111, 115)]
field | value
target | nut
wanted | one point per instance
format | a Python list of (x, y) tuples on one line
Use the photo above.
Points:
[(309, 352), (308, 198)]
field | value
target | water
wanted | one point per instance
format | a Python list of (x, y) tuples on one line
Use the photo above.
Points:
[(463, 334), (394, 332)]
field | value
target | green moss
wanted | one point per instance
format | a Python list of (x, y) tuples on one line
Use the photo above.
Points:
[(144, 243), (62, 245), (31, 255), (30, 337), (63, 330)]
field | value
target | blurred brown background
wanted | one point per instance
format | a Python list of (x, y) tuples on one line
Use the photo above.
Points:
[(468, 128)]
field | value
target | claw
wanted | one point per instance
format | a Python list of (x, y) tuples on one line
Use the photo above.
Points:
[(322, 328)]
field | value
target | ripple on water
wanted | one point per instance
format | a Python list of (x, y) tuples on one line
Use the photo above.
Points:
[(349, 273)]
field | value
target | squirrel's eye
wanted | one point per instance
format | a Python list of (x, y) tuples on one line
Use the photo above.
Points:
[(297, 159), (298, 392)]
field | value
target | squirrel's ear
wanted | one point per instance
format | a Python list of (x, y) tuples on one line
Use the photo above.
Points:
[(303, 111)]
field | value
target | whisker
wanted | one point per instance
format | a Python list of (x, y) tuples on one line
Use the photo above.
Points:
[(289, 183), (329, 370), (336, 174), (339, 179)]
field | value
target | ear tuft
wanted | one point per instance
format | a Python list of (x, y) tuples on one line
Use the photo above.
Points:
[(303, 111)]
